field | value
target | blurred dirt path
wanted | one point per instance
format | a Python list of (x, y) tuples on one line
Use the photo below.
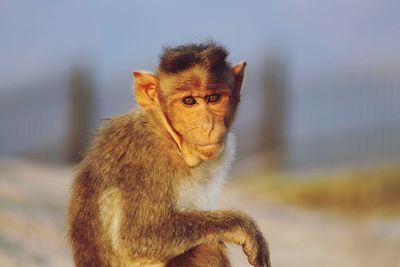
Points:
[(304, 238), (33, 199), (32, 204)]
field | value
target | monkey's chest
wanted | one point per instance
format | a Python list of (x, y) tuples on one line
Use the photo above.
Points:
[(199, 195), (201, 190)]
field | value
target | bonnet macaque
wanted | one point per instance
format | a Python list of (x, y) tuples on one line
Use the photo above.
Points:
[(145, 193)]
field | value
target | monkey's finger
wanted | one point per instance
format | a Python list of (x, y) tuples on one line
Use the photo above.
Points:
[(262, 263), (263, 260), (249, 252), (252, 260), (268, 262)]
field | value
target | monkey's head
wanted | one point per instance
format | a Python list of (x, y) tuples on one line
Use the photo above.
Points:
[(195, 92)]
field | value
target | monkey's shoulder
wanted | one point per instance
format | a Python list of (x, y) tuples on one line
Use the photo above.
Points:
[(132, 128), (127, 135), (128, 147)]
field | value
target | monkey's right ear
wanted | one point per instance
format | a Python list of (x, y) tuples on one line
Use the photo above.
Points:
[(145, 87), (238, 74)]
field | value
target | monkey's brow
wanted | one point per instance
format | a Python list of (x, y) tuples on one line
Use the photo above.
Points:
[(184, 87), (187, 83), (216, 86), (191, 87)]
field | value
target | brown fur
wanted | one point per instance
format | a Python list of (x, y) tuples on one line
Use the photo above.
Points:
[(202, 255), (124, 206)]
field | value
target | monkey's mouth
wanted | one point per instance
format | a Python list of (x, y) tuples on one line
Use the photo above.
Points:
[(211, 151), (210, 146)]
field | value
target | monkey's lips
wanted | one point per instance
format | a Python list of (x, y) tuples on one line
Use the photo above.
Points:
[(211, 151)]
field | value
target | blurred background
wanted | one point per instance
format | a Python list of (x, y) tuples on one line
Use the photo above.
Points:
[(318, 130)]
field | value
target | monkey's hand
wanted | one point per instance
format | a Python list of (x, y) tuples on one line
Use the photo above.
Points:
[(256, 249), (253, 242)]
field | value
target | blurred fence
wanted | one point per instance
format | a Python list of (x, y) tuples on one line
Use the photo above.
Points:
[(33, 119), (345, 117), (334, 118), (49, 119)]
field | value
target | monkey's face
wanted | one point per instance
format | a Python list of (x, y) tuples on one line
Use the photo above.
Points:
[(199, 107)]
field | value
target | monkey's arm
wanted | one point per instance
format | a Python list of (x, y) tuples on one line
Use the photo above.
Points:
[(226, 226), (187, 229)]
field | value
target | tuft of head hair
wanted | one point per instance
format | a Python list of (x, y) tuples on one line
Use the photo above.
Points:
[(209, 55)]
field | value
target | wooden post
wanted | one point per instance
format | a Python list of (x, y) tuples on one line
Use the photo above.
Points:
[(80, 96), (273, 125)]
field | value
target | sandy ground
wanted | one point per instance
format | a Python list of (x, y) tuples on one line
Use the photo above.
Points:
[(32, 204), (299, 237)]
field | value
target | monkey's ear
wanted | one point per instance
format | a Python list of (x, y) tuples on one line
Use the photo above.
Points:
[(238, 74), (145, 87)]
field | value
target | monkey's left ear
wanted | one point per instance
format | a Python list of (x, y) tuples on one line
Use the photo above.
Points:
[(145, 87), (238, 74)]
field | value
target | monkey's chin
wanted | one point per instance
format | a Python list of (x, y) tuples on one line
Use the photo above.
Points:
[(209, 152)]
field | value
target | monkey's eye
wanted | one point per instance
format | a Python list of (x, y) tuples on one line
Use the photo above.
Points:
[(213, 98), (189, 101)]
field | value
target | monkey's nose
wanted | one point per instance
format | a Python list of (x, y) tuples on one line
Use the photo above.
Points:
[(208, 127), (207, 130)]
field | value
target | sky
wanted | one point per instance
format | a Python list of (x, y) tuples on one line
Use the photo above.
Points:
[(119, 35)]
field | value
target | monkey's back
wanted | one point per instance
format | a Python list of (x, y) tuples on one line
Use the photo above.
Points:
[(113, 191)]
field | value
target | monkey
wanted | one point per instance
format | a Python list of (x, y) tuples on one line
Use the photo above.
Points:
[(145, 192)]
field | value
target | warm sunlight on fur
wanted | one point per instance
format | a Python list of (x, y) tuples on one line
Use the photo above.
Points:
[(146, 192)]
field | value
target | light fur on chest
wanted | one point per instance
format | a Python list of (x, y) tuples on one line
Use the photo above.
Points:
[(201, 190)]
